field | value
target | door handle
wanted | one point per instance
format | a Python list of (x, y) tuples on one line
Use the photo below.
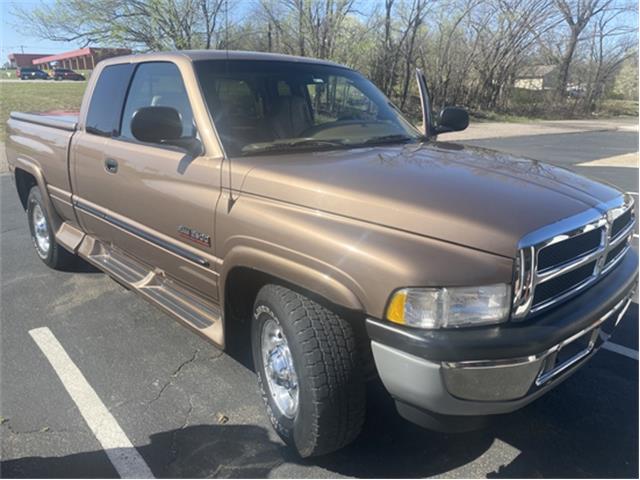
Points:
[(111, 165)]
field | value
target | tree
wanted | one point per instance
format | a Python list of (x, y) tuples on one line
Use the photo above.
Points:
[(626, 81), (314, 26), (144, 24), (612, 43), (414, 21), (576, 14)]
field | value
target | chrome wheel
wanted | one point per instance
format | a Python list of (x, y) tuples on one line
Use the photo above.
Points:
[(279, 369), (41, 238)]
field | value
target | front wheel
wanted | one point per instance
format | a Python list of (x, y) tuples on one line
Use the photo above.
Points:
[(309, 372)]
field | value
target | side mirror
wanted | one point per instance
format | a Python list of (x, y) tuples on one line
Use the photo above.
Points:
[(163, 125), (156, 124), (452, 119)]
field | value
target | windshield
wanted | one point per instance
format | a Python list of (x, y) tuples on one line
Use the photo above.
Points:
[(262, 107)]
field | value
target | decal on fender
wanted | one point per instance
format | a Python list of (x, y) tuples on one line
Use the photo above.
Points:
[(194, 235)]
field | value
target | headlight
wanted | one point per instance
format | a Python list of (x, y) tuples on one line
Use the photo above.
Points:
[(450, 307)]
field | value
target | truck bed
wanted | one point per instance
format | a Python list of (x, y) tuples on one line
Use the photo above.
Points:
[(65, 120), (40, 142)]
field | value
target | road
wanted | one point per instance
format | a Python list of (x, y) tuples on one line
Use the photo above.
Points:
[(192, 411)]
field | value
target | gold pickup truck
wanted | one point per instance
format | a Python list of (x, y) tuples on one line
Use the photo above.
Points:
[(287, 195)]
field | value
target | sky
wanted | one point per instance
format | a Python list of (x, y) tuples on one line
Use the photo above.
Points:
[(14, 39)]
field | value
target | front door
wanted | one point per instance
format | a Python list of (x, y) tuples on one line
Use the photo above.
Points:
[(154, 201)]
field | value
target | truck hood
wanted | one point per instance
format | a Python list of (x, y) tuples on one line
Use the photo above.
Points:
[(470, 196)]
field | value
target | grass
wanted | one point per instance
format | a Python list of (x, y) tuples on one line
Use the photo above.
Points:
[(619, 107), (37, 95), (479, 116)]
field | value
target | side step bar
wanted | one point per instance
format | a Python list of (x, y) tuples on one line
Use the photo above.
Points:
[(201, 315)]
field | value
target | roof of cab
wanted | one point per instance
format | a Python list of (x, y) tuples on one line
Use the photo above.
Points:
[(196, 55)]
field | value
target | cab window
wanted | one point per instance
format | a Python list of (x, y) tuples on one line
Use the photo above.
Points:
[(265, 107), (336, 98), (106, 100), (157, 84)]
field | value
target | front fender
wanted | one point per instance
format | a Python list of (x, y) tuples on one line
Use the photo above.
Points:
[(291, 271), (350, 262)]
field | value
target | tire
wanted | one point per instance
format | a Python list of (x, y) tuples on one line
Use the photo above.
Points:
[(326, 369), (46, 247)]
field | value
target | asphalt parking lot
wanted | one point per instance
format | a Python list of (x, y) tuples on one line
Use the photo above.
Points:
[(192, 411)]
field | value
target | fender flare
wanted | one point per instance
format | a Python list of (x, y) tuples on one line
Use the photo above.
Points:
[(37, 173), (290, 271)]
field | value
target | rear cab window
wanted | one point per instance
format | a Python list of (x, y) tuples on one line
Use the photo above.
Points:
[(103, 117)]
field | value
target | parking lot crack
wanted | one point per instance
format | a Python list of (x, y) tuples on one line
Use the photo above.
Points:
[(173, 448), (185, 363), (41, 430), (10, 230), (174, 376)]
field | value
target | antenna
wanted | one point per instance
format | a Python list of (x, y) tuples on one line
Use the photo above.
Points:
[(226, 27), (226, 47)]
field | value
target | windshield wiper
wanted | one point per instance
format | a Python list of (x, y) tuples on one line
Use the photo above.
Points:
[(303, 142), (395, 138)]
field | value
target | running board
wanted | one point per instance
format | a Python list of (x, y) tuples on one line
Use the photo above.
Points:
[(200, 314)]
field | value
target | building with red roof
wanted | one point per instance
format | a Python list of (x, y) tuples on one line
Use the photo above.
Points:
[(24, 59), (82, 58)]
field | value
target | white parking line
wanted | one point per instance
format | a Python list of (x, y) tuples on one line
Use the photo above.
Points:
[(123, 455), (626, 351), (627, 160)]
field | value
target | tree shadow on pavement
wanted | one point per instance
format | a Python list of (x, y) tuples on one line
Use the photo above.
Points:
[(392, 447), (193, 452), (585, 428), (580, 429)]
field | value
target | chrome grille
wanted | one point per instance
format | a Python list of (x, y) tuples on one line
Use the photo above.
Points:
[(564, 283), (621, 222), (560, 260), (566, 251)]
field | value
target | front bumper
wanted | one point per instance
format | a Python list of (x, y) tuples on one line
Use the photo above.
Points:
[(491, 370)]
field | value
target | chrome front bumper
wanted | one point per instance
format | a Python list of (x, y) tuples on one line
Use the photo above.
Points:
[(514, 378), (484, 387)]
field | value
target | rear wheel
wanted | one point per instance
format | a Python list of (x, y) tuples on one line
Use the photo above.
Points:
[(44, 242), (309, 371)]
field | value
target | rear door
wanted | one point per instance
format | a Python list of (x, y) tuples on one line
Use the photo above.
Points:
[(156, 202)]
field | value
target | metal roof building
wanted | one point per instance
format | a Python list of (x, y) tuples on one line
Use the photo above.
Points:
[(83, 58), (24, 59)]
